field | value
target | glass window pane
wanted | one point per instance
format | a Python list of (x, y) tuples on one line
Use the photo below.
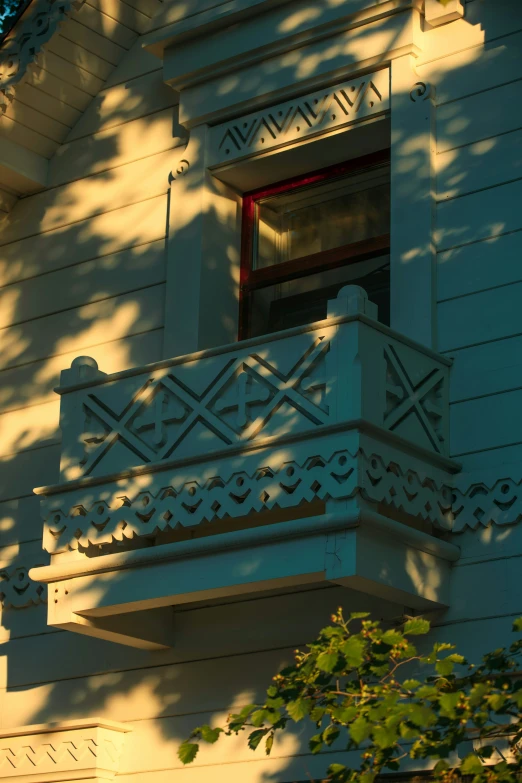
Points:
[(322, 217), (304, 300)]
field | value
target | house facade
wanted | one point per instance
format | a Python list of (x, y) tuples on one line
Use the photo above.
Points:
[(260, 331)]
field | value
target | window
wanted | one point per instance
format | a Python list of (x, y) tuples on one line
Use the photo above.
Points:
[(304, 239)]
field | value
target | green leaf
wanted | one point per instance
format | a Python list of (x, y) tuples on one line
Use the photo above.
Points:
[(385, 737), (258, 717), (444, 667), (422, 716), (353, 651), (315, 743), (210, 735), (360, 730), (392, 637), (448, 702), (410, 685), (187, 752), (330, 734), (346, 714), (255, 738), (440, 767), (416, 626), (327, 661), (358, 615), (299, 709), (471, 765), (269, 744), (517, 625)]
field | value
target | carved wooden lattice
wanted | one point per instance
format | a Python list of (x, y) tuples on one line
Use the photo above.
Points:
[(236, 406)]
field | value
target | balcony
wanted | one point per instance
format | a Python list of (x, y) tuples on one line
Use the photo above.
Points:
[(315, 455)]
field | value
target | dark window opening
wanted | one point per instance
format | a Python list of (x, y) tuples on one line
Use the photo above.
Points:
[(304, 239)]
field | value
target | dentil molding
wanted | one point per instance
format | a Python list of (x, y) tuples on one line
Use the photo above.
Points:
[(73, 750)]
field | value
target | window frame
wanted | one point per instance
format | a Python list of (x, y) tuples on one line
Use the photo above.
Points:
[(251, 280)]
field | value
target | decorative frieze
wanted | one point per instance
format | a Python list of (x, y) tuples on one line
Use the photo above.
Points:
[(271, 486), (300, 118), (73, 750), (18, 590)]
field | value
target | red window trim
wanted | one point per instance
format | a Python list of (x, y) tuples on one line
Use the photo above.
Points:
[(253, 279)]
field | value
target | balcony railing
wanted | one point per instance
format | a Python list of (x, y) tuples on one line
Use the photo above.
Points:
[(286, 436)]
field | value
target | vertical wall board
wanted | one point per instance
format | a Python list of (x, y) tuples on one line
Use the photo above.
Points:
[(127, 227), (78, 329), (469, 269), (486, 423), (34, 383), (74, 286), (488, 213), (488, 315)]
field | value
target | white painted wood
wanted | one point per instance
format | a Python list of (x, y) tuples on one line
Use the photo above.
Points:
[(134, 63), (27, 428), (78, 329), (500, 417), (479, 116), (48, 105), (21, 170), (130, 17), (99, 236), (69, 75), (412, 255), (55, 83), (138, 98), (484, 164), (34, 383), (489, 368), (469, 269), (80, 284), (478, 216), (31, 118), (113, 147), (27, 137), (476, 68), (106, 25), (479, 318), (80, 34), (20, 472), (124, 185), (71, 51)]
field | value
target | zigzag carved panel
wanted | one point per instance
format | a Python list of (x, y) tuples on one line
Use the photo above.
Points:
[(305, 116)]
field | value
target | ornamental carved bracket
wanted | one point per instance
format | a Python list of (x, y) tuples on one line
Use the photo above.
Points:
[(29, 36)]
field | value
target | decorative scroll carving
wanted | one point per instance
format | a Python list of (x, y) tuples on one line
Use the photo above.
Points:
[(23, 48), (421, 398), (303, 116), (421, 91), (342, 475), (55, 753), (18, 590), (236, 405)]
